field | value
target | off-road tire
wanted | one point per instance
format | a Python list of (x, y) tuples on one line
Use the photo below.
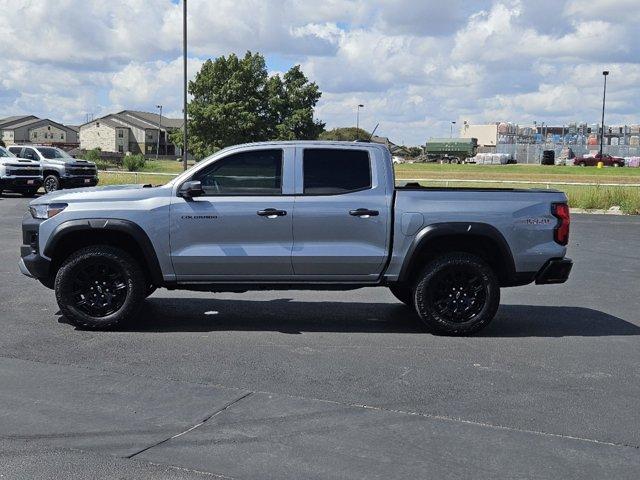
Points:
[(129, 272), (443, 280), (403, 292), (51, 183)]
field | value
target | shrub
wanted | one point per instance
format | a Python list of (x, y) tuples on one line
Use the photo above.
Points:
[(134, 163)]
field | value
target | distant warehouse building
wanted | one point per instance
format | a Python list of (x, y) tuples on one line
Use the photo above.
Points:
[(130, 131), (22, 129), (487, 135)]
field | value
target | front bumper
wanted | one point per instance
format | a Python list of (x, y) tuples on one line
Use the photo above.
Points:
[(20, 183), (556, 270), (31, 262), (74, 182)]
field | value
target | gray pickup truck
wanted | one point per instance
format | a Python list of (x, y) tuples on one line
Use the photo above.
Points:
[(59, 169), (295, 215)]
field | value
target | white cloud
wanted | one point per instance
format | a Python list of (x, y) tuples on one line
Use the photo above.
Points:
[(416, 64)]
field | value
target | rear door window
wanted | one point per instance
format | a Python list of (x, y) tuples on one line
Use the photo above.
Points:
[(333, 171)]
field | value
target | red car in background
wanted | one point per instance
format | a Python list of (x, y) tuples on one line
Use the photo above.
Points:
[(606, 159)]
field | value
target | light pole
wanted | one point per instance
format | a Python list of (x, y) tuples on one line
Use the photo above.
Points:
[(184, 83), (159, 131), (604, 96), (358, 120), (451, 129)]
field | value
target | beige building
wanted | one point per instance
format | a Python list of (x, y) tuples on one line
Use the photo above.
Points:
[(130, 131), (487, 135), (31, 129), (106, 135)]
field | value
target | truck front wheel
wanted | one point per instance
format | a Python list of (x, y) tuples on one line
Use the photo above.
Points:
[(99, 287), (51, 183), (457, 294)]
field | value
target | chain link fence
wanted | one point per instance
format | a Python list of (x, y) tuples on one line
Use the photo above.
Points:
[(532, 153)]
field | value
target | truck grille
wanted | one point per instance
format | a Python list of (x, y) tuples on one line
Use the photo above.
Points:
[(81, 170), (24, 172)]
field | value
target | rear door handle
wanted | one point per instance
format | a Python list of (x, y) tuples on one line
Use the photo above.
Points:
[(364, 213), (271, 213)]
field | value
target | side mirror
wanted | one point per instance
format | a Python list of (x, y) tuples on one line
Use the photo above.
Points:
[(191, 189)]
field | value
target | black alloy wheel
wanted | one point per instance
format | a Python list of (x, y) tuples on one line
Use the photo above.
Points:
[(457, 294), (51, 184), (99, 289)]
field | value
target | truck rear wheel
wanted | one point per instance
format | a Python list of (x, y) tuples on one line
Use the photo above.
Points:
[(99, 287), (404, 293), (457, 294)]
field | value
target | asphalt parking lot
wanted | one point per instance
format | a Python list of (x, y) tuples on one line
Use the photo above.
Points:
[(329, 385)]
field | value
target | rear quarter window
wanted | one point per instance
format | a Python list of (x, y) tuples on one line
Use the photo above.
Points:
[(333, 171)]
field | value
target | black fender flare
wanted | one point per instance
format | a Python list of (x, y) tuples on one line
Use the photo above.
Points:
[(111, 224), (477, 229)]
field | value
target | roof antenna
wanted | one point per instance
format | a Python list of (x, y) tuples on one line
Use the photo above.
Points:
[(374, 131)]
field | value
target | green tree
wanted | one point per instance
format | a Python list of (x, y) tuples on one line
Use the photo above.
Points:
[(348, 134), (291, 103), (235, 101)]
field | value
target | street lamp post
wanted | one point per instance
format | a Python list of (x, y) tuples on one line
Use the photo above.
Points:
[(604, 96), (184, 83), (358, 120), (451, 129), (159, 131)]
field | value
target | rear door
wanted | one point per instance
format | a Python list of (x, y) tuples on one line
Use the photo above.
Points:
[(241, 228), (341, 216)]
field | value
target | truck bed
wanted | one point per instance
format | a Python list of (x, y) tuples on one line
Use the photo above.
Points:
[(521, 216)]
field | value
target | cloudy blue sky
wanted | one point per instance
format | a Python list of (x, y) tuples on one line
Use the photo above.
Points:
[(415, 64)]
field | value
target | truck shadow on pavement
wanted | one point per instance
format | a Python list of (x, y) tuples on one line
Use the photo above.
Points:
[(294, 317)]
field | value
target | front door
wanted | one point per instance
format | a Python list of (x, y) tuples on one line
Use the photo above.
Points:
[(240, 229), (341, 216)]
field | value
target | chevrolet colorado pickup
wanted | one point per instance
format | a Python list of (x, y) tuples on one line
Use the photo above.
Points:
[(19, 175), (295, 215), (60, 170)]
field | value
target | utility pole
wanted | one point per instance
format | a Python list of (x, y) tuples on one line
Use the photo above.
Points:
[(184, 83), (358, 120), (604, 96), (159, 132)]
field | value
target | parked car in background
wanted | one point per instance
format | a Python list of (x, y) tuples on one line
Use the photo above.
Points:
[(59, 169), (606, 159), (19, 175)]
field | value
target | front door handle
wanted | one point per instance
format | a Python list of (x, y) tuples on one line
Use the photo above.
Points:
[(364, 213), (271, 213)]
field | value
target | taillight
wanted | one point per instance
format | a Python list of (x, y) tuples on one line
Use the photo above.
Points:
[(561, 232)]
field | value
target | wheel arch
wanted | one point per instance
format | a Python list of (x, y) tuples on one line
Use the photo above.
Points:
[(480, 239), (49, 171), (72, 235)]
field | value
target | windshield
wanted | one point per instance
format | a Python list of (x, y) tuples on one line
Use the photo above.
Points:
[(53, 153), (5, 153)]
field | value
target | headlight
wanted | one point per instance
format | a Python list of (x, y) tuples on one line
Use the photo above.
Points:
[(47, 210)]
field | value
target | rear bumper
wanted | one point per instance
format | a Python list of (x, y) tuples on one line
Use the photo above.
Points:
[(556, 270)]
